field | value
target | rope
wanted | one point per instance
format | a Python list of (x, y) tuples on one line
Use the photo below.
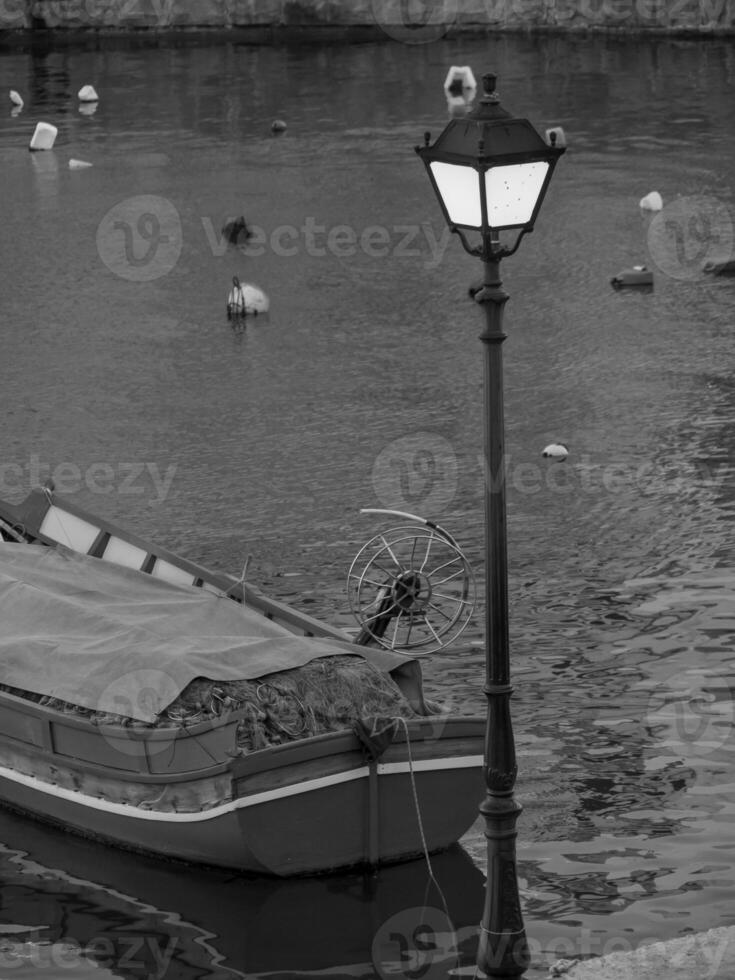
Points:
[(432, 877), (271, 717)]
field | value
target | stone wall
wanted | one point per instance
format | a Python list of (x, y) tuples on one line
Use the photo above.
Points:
[(413, 21)]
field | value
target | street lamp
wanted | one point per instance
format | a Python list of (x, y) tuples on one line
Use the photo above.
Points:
[(490, 172)]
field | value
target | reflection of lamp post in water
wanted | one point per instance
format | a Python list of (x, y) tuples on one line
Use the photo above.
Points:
[(490, 172)]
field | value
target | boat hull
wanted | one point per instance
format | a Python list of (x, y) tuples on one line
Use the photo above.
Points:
[(312, 806)]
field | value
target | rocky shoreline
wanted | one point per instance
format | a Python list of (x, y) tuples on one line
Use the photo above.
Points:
[(696, 956), (414, 22)]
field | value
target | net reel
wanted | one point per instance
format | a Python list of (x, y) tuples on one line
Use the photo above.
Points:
[(411, 586)]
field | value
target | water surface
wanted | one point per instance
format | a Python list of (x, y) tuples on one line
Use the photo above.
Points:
[(122, 379)]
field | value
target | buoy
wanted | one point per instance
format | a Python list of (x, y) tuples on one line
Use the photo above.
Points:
[(556, 136), (278, 126), (245, 299), (236, 231), (88, 94), (458, 79), (556, 450), (639, 275), (16, 98), (652, 202), (44, 136), (78, 164), (460, 88)]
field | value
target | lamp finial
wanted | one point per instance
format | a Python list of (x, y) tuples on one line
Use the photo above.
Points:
[(488, 83)]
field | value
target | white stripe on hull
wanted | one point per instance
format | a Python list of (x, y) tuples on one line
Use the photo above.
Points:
[(426, 765), (308, 786)]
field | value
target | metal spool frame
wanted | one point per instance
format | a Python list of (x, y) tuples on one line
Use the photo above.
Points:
[(411, 586)]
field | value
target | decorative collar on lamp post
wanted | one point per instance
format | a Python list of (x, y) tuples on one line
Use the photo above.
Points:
[(490, 172)]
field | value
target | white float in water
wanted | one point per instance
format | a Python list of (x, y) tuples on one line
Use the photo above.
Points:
[(43, 137), (556, 450), (278, 126), (652, 202), (78, 164), (245, 299), (16, 98), (458, 79), (87, 94), (556, 136), (459, 88)]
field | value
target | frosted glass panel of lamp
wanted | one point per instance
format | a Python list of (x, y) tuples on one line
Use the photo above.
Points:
[(512, 192), (459, 188)]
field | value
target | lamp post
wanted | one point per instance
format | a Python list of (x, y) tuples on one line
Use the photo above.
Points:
[(490, 172)]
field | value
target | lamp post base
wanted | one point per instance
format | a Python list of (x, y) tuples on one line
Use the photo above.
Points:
[(503, 951)]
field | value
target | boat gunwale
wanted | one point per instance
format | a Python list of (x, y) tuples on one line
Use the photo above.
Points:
[(422, 733), (465, 726), (420, 728), (134, 731)]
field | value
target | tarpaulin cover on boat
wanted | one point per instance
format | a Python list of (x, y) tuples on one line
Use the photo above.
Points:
[(115, 639)]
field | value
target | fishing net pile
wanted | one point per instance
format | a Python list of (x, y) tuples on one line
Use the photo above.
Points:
[(326, 695)]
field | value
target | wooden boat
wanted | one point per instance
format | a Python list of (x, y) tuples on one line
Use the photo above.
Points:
[(309, 805)]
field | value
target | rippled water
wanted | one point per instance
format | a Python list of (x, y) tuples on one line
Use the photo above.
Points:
[(121, 377)]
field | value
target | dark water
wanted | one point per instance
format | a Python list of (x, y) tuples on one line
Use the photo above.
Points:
[(121, 378)]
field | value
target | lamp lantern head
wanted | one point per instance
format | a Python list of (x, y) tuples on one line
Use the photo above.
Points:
[(490, 172)]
